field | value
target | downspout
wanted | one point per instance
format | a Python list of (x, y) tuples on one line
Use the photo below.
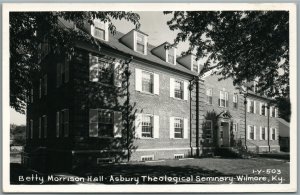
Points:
[(191, 87), (127, 109)]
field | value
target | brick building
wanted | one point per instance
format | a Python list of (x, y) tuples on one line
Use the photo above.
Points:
[(224, 117), (131, 100), (128, 100)]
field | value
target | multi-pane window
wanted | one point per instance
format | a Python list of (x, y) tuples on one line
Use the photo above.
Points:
[(209, 96), (101, 70), (147, 82), (208, 128), (251, 106), (235, 101), (147, 126), (101, 122), (178, 89), (251, 132), (105, 123), (223, 101), (178, 128), (140, 43)]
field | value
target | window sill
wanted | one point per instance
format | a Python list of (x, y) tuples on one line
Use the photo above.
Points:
[(147, 138), (147, 93), (178, 138), (178, 99)]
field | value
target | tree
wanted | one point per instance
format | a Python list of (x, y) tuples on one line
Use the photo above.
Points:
[(242, 45), (26, 33), (18, 134)]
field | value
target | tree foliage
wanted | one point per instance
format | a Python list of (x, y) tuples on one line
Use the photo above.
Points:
[(242, 45), (26, 31)]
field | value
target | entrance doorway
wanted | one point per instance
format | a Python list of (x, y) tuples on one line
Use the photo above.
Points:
[(224, 134)]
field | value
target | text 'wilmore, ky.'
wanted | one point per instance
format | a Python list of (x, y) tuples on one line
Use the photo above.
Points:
[(120, 179)]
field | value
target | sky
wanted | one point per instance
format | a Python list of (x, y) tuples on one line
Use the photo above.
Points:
[(152, 23)]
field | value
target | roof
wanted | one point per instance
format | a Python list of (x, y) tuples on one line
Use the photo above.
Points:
[(115, 43), (281, 120)]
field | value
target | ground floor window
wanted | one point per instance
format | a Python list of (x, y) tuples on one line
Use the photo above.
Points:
[(251, 132), (178, 128), (207, 127), (147, 126)]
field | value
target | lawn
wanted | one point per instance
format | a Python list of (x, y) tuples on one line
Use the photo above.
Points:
[(199, 171)]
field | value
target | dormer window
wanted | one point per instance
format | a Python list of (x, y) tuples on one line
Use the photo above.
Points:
[(141, 43), (171, 55), (171, 58), (100, 30), (195, 65)]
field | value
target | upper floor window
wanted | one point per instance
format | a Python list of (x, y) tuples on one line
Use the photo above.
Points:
[(101, 70), (62, 72), (273, 112), (251, 106), (263, 109), (209, 96), (235, 101), (141, 43), (223, 101), (178, 89), (147, 82)]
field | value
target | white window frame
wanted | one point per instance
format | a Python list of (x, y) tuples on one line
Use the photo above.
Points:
[(182, 132), (102, 26), (225, 95), (235, 100), (249, 132), (145, 39), (209, 94), (152, 127), (152, 76)]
